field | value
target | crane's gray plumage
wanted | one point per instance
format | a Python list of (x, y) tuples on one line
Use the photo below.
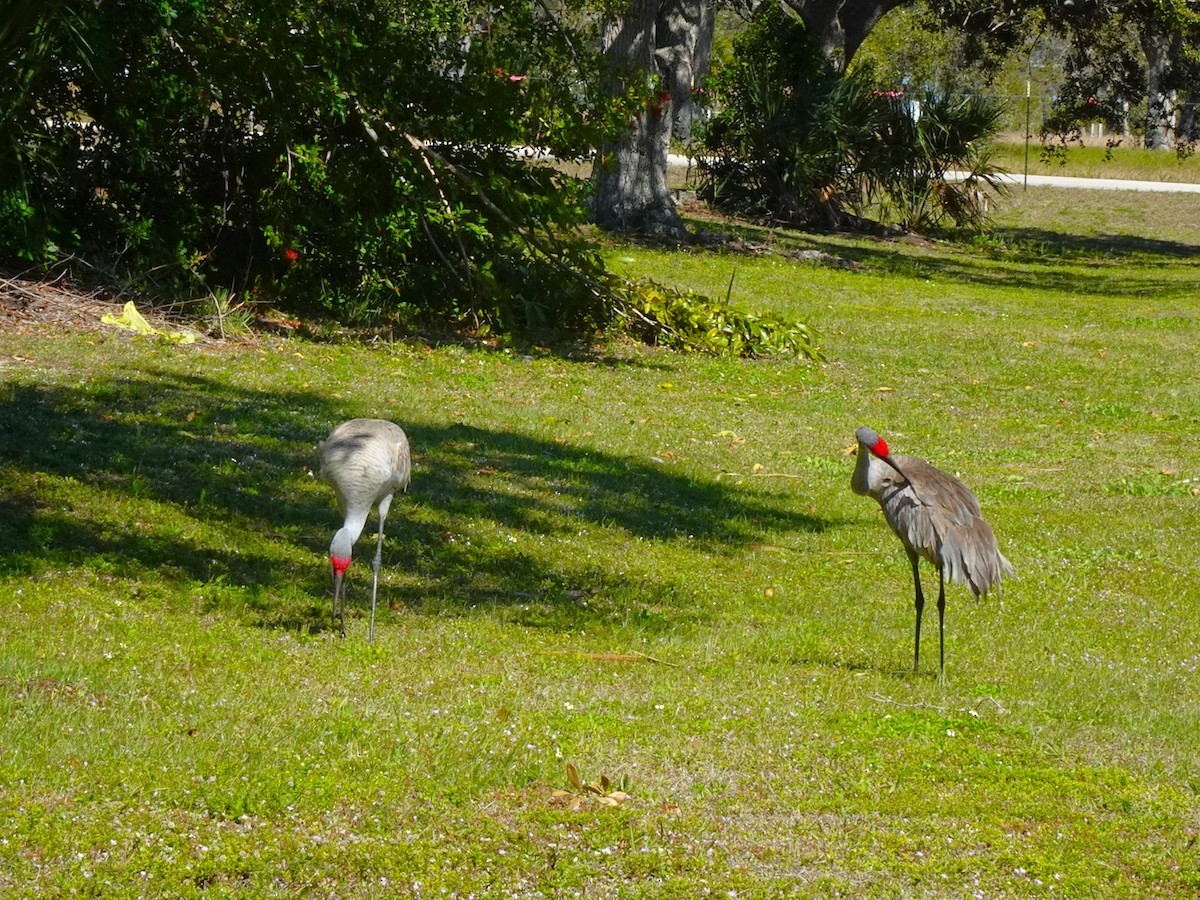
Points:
[(936, 517), (366, 461)]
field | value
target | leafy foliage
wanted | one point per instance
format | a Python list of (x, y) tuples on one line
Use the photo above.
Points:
[(919, 144), (800, 143), (352, 155), (686, 320)]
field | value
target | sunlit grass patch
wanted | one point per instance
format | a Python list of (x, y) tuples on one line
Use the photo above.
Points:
[(647, 566)]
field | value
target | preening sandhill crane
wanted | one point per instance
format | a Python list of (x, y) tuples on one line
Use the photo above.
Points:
[(366, 461), (936, 517)]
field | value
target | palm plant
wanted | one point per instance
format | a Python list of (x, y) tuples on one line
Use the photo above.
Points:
[(798, 142), (930, 162)]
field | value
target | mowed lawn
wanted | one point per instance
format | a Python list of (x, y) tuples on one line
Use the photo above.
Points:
[(646, 566)]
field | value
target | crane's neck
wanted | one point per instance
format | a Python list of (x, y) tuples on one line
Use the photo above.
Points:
[(860, 481), (342, 545), (874, 475)]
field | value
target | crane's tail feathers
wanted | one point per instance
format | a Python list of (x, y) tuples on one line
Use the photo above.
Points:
[(971, 557)]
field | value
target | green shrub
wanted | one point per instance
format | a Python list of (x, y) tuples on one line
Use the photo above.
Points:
[(350, 156), (689, 321), (800, 143)]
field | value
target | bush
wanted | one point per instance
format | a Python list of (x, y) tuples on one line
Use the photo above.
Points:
[(690, 321), (797, 142), (350, 156)]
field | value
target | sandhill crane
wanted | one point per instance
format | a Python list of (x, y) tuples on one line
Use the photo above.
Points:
[(936, 517), (366, 461)]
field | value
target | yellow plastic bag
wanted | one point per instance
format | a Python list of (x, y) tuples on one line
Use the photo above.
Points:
[(132, 320)]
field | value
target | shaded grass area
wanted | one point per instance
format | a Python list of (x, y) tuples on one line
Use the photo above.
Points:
[(177, 717)]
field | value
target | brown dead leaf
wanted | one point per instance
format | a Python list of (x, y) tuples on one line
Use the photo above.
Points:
[(573, 777)]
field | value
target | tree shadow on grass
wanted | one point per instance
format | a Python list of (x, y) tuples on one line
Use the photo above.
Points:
[(1103, 245), (206, 484), (1040, 274), (1032, 259)]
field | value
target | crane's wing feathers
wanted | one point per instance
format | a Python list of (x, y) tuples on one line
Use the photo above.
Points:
[(365, 460), (938, 517)]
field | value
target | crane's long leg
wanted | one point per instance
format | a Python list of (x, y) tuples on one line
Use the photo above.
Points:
[(920, 604), (339, 594), (377, 563), (941, 620)]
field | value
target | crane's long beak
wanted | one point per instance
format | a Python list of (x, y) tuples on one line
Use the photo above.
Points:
[(891, 462)]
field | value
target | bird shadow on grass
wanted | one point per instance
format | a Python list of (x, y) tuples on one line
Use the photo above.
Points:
[(205, 485)]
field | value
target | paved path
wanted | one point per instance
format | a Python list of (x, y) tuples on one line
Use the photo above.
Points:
[(1018, 179), (1102, 184)]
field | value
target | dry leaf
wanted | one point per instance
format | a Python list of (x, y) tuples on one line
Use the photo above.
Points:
[(573, 777)]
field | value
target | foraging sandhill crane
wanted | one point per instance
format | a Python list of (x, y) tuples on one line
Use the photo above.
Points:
[(366, 461), (936, 517)]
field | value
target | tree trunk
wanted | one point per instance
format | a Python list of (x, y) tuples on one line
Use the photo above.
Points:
[(1189, 128), (655, 41), (685, 38), (1161, 51), (841, 25)]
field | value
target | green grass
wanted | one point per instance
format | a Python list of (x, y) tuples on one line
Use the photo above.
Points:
[(1099, 162), (178, 718)]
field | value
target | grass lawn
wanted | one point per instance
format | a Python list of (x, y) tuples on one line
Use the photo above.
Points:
[(1130, 162), (648, 566)]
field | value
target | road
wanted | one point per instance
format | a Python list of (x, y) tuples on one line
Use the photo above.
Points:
[(1102, 184), (1018, 179)]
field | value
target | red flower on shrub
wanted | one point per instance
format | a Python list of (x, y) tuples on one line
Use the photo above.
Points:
[(291, 255)]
